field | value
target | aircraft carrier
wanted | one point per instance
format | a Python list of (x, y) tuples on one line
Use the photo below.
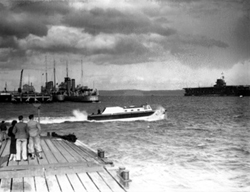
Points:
[(219, 89)]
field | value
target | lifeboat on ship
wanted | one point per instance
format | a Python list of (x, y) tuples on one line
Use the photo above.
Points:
[(122, 113)]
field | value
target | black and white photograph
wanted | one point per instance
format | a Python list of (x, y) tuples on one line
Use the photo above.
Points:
[(125, 95)]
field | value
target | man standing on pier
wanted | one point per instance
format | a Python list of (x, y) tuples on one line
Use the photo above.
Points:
[(34, 129), (21, 133)]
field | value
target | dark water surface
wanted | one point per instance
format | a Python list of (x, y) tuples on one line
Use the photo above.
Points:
[(202, 145)]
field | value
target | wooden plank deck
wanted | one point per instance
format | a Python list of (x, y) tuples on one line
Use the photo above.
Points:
[(65, 167)]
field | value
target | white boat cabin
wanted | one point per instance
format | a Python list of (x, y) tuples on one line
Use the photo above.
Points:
[(4, 93), (130, 109)]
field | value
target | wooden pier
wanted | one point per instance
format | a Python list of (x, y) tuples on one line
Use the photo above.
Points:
[(65, 167), (31, 98)]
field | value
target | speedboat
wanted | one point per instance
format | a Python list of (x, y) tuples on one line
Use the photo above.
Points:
[(122, 113)]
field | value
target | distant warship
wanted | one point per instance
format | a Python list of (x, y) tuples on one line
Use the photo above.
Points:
[(68, 91), (219, 89), (78, 93)]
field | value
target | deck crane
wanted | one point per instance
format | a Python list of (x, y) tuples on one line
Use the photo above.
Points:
[(21, 80)]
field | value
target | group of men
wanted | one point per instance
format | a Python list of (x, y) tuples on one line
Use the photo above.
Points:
[(26, 136)]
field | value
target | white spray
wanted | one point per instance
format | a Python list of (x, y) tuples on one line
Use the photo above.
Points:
[(79, 116)]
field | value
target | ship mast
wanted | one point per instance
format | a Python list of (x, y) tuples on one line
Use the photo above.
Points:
[(81, 73), (67, 70), (46, 74), (54, 74), (5, 89), (222, 76)]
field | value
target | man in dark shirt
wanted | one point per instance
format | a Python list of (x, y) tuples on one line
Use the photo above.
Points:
[(21, 133)]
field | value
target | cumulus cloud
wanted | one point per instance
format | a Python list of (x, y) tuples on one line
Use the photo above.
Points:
[(1, 6), (204, 42), (238, 74), (242, 37), (8, 42), (4, 55), (20, 25), (205, 34), (112, 21), (113, 34), (41, 7), (62, 39)]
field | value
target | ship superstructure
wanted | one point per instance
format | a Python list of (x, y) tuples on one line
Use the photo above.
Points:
[(219, 89), (78, 93)]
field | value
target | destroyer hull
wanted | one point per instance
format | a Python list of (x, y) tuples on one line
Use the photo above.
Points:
[(85, 99), (220, 91)]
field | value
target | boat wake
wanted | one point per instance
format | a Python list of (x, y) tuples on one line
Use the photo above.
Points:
[(160, 114), (78, 116), (81, 116)]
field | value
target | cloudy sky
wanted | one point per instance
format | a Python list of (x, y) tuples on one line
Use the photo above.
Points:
[(126, 44)]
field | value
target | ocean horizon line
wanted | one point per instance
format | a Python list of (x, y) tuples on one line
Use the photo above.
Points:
[(137, 92)]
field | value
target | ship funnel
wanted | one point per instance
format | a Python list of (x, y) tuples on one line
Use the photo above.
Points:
[(68, 84), (73, 86)]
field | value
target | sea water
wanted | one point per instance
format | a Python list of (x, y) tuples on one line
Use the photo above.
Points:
[(202, 145)]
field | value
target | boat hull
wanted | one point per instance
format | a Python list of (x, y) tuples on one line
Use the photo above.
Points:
[(218, 91), (87, 98), (120, 116)]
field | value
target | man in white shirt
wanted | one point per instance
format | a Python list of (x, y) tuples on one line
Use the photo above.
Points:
[(34, 129)]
